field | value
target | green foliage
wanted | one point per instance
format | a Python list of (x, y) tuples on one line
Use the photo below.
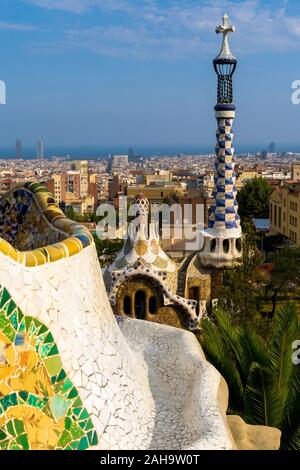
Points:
[(241, 291), (286, 273), (107, 249), (254, 199), (264, 384), (72, 215)]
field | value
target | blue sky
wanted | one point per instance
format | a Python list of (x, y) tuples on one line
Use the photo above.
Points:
[(139, 72)]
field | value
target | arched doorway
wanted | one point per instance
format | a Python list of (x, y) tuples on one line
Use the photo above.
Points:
[(140, 305)]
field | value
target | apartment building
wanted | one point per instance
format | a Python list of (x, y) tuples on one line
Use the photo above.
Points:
[(285, 211)]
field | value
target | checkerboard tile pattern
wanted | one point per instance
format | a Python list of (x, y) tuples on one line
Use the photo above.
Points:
[(224, 208)]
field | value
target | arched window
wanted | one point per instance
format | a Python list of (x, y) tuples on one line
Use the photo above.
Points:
[(127, 305), (213, 245), (152, 305), (194, 294), (226, 245), (140, 305)]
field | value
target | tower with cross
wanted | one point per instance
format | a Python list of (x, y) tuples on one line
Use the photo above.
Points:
[(222, 238)]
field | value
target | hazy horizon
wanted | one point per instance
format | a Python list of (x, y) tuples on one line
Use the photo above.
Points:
[(97, 151)]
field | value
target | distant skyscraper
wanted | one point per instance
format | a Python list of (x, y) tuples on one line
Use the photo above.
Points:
[(40, 150), (272, 147), (131, 155), (18, 149)]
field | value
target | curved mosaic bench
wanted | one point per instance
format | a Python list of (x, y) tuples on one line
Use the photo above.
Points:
[(70, 376), (29, 216)]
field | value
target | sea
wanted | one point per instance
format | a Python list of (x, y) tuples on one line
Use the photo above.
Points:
[(103, 152)]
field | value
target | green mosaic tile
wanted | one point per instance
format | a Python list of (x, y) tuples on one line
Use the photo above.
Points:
[(19, 426), (78, 432), (77, 411), (94, 439), (4, 297), (84, 415), (54, 379), (28, 322), (8, 401), (22, 325), (61, 376), (65, 439), (4, 322), (32, 329), (73, 393), (10, 428), (77, 402), (44, 350), (23, 395), (58, 406), (53, 365), (89, 425), (43, 329), (9, 332), (23, 441), (36, 401), (9, 307), (74, 445), (49, 338), (67, 385), (83, 444), (75, 431), (14, 319), (53, 351), (68, 423)]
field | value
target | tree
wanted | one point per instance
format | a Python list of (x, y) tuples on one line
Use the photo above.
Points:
[(263, 381), (70, 213), (254, 199), (107, 249), (240, 294), (285, 273)]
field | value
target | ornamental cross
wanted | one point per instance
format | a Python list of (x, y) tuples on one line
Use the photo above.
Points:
[(225, 29)]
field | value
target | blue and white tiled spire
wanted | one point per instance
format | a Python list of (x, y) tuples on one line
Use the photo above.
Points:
[(224, 209), (224, 219), (222, 245)]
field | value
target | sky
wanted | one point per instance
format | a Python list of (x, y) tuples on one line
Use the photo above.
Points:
[(122, 73)]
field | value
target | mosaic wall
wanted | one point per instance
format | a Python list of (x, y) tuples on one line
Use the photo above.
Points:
[(39, 406), (34, 231), (21, 223)]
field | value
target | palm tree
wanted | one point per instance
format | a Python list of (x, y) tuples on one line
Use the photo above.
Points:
[(264, 384)]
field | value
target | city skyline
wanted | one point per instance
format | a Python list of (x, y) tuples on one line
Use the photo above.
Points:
[(121, 74)]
